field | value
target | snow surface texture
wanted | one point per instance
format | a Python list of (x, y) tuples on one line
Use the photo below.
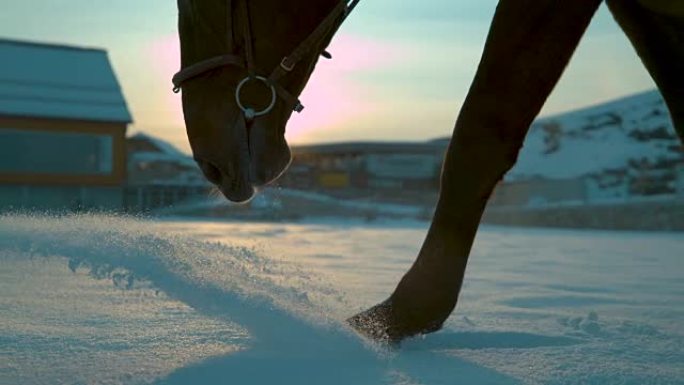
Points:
[(620, 136), (108, 300)]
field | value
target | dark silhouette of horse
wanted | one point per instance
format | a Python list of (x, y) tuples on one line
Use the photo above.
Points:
[(245, 62)]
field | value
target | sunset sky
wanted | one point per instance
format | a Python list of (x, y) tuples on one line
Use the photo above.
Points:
[(400, 69)]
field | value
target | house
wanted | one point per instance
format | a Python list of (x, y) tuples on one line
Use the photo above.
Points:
[(159, 175), (63, 120), (367, 165)]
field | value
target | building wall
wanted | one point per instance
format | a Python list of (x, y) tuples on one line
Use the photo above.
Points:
[(71, 198), (61, 152), (403, 166), (332, 179), (140, 198), (61, 164), (365, 170)]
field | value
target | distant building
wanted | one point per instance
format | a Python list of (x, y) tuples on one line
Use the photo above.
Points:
[(367, 165), (63, 121), (159, 175), (539, 192)]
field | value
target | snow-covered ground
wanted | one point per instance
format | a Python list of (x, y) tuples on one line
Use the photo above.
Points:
[(109, 300)]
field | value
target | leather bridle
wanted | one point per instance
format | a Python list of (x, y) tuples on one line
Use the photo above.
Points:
[(326, 28)]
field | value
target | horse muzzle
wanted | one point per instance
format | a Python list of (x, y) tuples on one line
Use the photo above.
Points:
[(235, 186)]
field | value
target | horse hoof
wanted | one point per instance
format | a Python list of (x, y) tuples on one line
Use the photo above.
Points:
[(375, 323)]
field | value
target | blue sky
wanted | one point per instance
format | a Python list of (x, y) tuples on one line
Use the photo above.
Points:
[(401, 69)]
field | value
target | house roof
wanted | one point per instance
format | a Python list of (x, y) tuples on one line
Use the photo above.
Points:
[(55, 81), (156, 150)]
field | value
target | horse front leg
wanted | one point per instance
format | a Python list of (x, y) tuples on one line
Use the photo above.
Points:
[(529, 44)]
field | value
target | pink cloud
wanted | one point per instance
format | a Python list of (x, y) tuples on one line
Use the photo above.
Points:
[(165, 57), (332, 98), (353, 53)]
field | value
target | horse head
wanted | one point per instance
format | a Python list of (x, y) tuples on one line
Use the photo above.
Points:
[(239, 89)]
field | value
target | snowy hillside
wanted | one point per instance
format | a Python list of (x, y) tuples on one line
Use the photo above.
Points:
[(623, 143)]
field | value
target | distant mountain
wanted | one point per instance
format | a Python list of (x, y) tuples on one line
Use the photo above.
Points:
[(629, 143)]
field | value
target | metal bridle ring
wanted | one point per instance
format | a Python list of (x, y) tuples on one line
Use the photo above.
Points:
[(250, 113)]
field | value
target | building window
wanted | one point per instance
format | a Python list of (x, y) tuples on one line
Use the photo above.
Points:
[(43, 152)]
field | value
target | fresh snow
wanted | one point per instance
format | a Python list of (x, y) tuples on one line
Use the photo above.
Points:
[(93, 299)]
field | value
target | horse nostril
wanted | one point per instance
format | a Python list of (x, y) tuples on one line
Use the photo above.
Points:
[(211, 172)]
